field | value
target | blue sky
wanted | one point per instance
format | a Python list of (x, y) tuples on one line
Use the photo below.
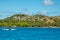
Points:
[(46, 7)]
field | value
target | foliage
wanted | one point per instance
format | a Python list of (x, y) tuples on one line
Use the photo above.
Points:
[(29, 21)]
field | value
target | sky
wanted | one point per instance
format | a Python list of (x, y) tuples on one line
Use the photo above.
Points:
[(31, 7)]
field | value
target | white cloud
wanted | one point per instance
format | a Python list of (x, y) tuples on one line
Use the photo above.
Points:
[(48, 2), (44, 12)]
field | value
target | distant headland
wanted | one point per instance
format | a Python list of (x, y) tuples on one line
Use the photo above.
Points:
[(23, 20)]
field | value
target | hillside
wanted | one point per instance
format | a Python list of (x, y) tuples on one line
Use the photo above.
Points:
[(23, 20)]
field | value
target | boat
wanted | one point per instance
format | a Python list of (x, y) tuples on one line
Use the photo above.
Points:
[(12, 29), (5, 29)]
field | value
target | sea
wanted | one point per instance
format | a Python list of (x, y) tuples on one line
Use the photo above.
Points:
[(29, 33)]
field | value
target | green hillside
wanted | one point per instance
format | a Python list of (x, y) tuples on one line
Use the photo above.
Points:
[(23, 20)]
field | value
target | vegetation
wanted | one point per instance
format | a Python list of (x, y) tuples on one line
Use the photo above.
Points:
[(23, 20)]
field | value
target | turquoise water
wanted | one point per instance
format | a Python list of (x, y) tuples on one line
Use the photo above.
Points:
[(30, 34)]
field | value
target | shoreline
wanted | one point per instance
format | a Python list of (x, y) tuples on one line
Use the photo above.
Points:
[(29, 27)]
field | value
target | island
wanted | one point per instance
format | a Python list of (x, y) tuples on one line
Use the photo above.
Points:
[(24, 20)]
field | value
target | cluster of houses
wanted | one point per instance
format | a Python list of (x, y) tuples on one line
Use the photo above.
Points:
[(32, 18)]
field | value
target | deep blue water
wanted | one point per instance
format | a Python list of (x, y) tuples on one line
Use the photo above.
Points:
[(30, 34)]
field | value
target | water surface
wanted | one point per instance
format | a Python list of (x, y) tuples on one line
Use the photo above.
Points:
[(30, 34)]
